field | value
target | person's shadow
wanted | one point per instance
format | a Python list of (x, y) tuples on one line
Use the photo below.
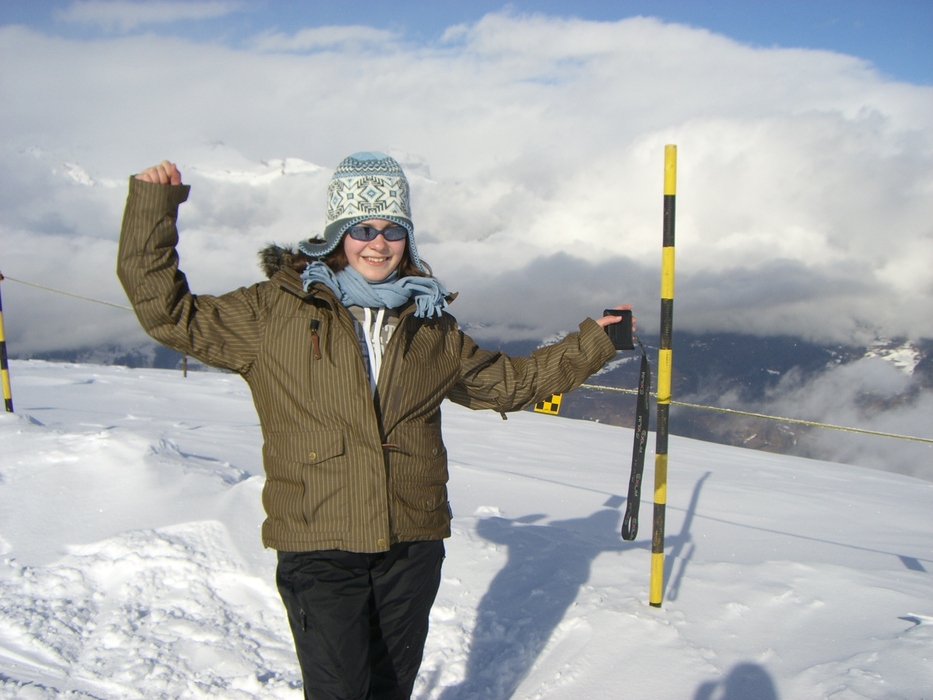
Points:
[(527, 599), (746, 681)]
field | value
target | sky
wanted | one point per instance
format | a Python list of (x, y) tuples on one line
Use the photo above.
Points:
[(784, 578), (892, 34), (533, 140)]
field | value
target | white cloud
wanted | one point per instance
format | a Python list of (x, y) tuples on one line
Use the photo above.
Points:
[(124, 16), (870, 394), (352, 38), (535, 150)]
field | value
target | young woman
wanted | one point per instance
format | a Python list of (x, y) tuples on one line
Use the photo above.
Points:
[(349, 352)]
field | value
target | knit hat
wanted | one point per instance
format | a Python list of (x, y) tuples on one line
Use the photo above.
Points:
[(366, 185)]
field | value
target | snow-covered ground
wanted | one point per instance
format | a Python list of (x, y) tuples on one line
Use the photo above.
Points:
[(132, 566)]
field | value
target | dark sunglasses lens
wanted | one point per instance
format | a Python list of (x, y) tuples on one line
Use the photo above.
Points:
[(395, 233), (368, 233), (362, 233)]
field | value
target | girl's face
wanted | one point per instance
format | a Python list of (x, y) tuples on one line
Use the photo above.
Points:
[(376, 259)]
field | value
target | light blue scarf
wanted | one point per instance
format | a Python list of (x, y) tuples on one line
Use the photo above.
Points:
[(352, 289)]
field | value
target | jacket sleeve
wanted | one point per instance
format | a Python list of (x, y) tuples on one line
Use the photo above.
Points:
[(222, 331), (495, 380)]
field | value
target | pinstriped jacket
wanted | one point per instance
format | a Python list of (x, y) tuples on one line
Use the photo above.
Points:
[(344, 469)]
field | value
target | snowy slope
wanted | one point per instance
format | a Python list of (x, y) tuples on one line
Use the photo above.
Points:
[(132, 567)]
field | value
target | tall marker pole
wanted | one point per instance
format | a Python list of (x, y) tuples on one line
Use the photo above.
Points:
[(665, 362), (4, 367)]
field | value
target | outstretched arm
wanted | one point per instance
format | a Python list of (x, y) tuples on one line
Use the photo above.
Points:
[(495, 380)]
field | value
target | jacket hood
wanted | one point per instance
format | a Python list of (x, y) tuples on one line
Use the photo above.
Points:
[(274, 258)]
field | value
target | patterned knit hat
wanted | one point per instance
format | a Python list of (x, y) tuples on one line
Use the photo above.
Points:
[(367, 185)]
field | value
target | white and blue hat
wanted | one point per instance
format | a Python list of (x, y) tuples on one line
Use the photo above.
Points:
[(366, 185)]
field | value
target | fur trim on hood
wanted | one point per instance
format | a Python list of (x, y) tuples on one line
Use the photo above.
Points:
[(274, 257)]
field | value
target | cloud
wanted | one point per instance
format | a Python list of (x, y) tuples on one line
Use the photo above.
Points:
[(349, 38), (870, 394), (535, 150), (550, 294), (125, 16)]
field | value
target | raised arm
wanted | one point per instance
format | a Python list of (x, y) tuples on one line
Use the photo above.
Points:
[(222, 331)]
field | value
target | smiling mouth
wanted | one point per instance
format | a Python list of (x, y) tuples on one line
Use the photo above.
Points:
[(375, 261)]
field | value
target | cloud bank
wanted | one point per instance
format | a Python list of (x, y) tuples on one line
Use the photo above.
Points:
[(534, 146), (872, 394)]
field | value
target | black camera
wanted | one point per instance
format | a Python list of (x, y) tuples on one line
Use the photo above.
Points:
[(621, 333)]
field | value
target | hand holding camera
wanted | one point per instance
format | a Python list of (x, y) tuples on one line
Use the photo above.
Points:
[(620, 332)]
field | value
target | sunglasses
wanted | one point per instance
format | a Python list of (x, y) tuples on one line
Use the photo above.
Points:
[(369, 233)]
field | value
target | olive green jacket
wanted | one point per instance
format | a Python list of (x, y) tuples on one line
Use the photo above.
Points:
[(344, 469)]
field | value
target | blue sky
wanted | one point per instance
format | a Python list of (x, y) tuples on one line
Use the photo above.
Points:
[(895, 35)]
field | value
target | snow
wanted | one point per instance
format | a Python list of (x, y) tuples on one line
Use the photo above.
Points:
[(256, 176), (131, 564), (905, 356)]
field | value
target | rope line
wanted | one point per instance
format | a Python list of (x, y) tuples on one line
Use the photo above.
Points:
[(67, 294), (780, 419), (599, 387)]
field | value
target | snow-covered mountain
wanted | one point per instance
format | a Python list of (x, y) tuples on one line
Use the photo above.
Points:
[(885, 386), (132, 566)]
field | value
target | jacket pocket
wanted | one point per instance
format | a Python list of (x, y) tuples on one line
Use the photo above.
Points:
[(418, 479), (318, 462)]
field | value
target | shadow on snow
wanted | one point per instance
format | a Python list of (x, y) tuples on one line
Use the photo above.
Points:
[(526, 601), (746, 681)]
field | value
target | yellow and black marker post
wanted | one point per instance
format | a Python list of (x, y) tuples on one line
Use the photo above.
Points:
[(551, 405), (4, 366), (665, 364)]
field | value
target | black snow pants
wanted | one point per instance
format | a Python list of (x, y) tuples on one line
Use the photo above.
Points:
[(360, 621)]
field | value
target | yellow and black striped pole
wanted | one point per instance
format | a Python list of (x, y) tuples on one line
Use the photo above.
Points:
[(665, 363), (4, 366)]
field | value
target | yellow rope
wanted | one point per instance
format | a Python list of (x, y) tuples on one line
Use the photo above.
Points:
[(795, 421), (67, 294)]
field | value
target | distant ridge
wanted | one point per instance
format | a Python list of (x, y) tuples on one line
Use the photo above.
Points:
[(717, 369)]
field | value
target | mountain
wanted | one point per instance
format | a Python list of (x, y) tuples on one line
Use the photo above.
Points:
[(736, 371), (707, 368), (785, 377)]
